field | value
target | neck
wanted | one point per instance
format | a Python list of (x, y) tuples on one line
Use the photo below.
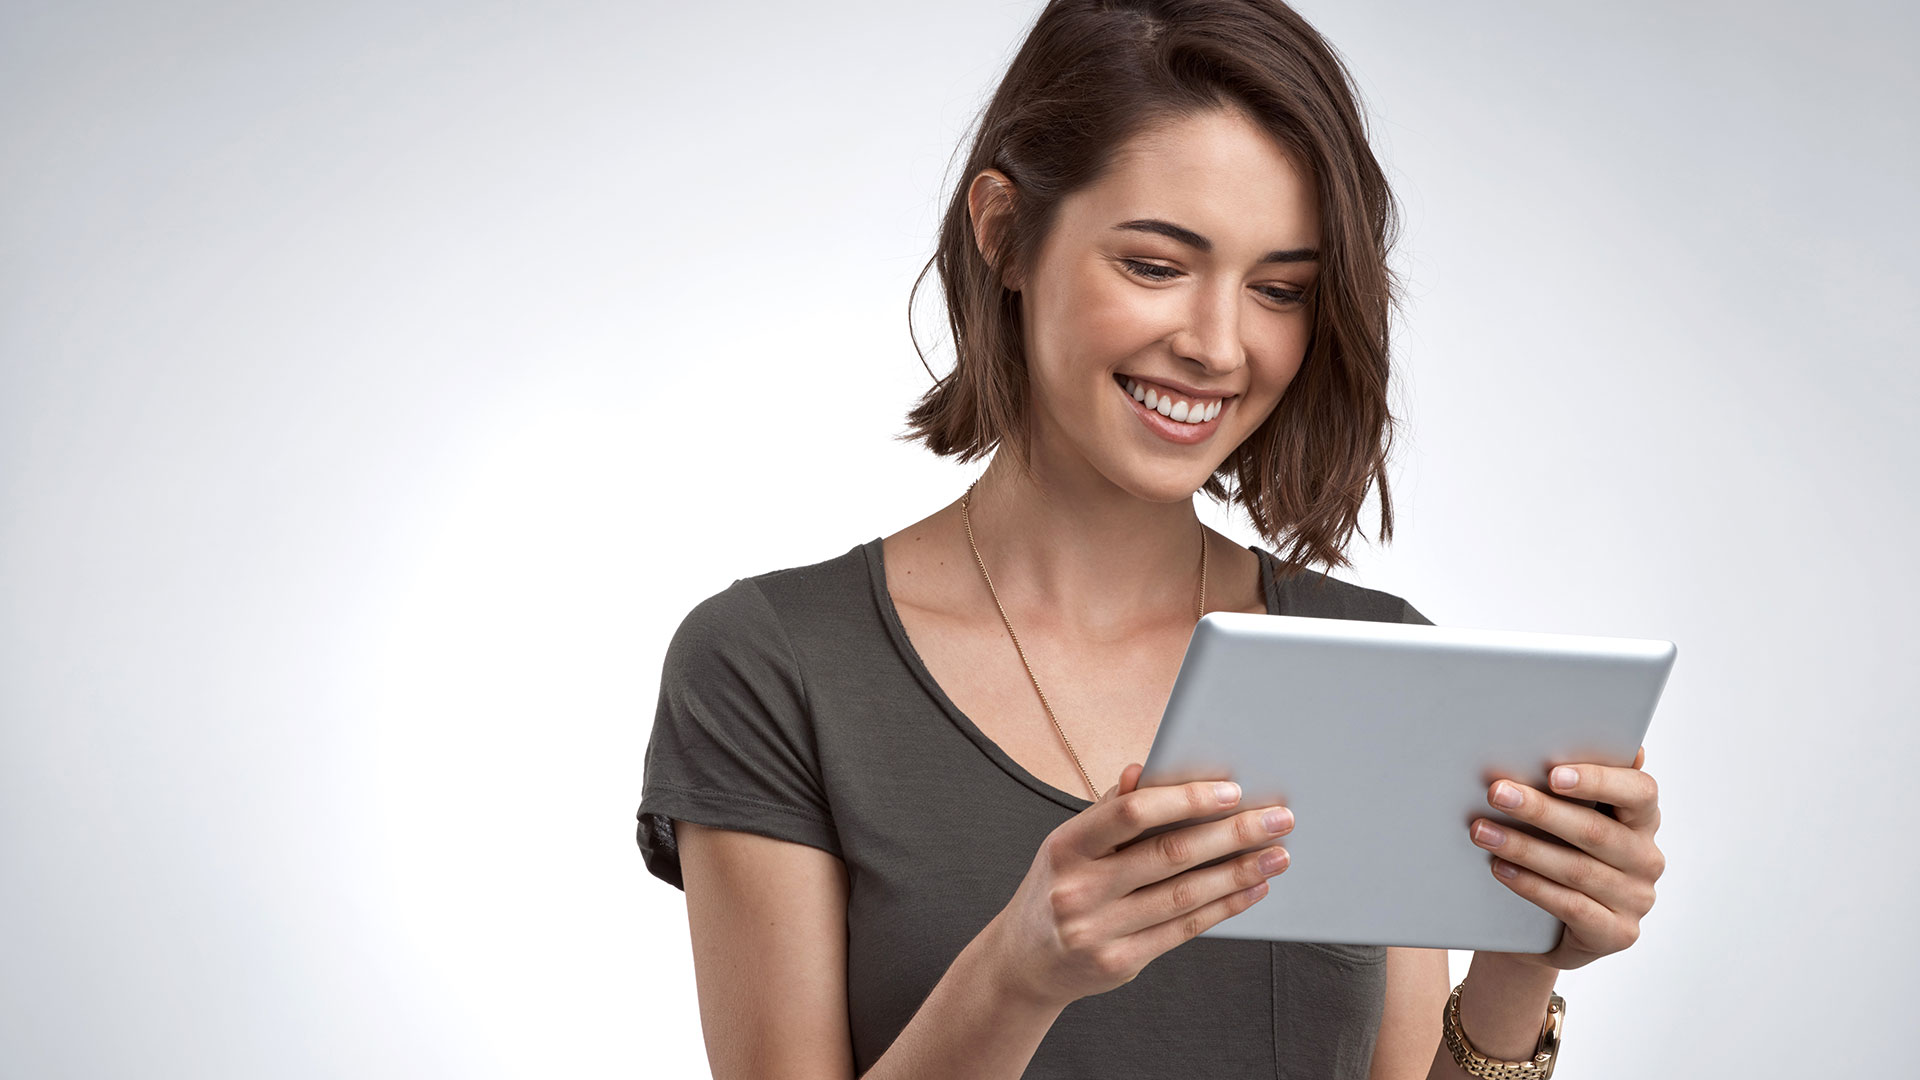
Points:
[(1095, 558)]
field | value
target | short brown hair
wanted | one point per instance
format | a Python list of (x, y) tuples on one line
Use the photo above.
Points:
[(1090, 75)]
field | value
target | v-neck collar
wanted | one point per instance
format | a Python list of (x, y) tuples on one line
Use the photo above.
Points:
[(883, 599)]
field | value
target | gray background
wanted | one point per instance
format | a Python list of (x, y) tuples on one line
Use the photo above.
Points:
[(383, 382)]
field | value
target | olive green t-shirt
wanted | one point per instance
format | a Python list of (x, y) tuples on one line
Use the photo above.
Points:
[(793, 705)]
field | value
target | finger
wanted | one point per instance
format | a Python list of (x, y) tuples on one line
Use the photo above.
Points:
[(1113, 790), (1097, 831), (1176, 896), (1167, 854), (1613, 888), (1610, 841), (1181, 929), (1131, 771), (1633, 794), (1598, 927)]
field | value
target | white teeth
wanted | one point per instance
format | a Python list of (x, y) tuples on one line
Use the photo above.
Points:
[(1171, 408)]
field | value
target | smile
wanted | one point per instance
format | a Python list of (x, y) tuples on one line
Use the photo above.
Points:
[(1175, 416)]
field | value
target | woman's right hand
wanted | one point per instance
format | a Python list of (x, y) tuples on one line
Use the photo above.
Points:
[(1091, 912)]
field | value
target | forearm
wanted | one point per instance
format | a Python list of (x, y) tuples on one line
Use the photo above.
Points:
[(1501, 1009), (975, 1025)]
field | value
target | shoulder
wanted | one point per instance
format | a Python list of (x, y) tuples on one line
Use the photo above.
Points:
[(761, 612), (1313, 594), (802, 591)]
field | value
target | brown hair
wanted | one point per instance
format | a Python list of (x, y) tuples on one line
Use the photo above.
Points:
[(1090, 75)]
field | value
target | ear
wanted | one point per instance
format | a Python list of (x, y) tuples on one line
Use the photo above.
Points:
[(990, 200)]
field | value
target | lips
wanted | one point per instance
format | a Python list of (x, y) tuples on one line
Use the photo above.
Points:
[(1185, 432), (1179, 390), (1176, 402)]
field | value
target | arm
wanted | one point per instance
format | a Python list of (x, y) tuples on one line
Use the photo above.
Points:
[(1417, 989), (1503, 1007), (769, 925), (1596, 875), (769, 919)]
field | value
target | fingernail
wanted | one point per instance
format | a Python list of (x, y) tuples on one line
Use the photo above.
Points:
[(1490, 834), (1278, 819), (1505, 870), (1565, 776), (1228, 792), (1505, 794), (1272, 859)]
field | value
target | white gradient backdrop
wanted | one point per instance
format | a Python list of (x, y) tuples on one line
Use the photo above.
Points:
[(381, 383)]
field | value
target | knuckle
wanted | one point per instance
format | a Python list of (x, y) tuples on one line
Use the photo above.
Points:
[(1173, 848), (1201, 799), (1130, 811), (1518, 848), (1580, 874), (1659, 864), (1595, 831), (1182, 894), (1647, 896), (1064, 901), (1652, 788), (1248, 828), (1112, 962), (1057, 847), (1630, 932), (1077, 937), (1191, 925)]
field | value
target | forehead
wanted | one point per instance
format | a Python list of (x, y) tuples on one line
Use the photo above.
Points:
[(1217, 173)]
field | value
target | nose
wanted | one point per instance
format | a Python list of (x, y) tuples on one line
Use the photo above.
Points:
[(1211, 336)]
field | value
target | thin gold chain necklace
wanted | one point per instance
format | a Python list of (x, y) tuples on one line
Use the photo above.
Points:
[(1199, 611)]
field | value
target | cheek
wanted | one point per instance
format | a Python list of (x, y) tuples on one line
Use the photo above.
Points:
[(1274, 372), (1093, 320), (1122, 319), (1279, 364)]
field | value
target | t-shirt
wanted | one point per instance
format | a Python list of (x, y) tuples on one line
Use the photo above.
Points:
[(793, 705)]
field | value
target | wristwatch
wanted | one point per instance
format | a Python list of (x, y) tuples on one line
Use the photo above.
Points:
[(1545, 1052)]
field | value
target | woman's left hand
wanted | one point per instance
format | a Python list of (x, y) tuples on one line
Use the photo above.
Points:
[(1601, 886)]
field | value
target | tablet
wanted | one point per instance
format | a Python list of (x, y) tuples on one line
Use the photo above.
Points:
[(1383, 738)]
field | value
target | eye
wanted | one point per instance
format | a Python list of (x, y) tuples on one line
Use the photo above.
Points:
[(1149, 271), (1156, 272)]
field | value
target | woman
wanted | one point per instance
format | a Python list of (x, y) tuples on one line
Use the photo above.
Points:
[(1165, 273)]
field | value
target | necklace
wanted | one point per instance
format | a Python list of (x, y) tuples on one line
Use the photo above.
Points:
[(1200, 610)]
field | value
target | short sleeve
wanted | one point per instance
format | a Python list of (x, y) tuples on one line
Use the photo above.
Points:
[(1410, 615), (733, 742)]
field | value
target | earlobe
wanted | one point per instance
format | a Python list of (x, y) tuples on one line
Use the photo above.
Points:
[(989, 199)]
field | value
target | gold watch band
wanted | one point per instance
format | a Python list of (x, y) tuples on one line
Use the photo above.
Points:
[(1545, 1052)]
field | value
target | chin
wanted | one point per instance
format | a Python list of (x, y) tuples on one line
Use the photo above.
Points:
[(1165, 484)]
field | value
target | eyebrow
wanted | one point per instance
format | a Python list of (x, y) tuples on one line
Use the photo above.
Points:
[(1194, 240)]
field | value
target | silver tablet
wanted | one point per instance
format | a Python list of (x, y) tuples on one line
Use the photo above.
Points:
[(1383, 738)]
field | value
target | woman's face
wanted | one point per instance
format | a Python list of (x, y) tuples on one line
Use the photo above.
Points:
[(1179, 274)]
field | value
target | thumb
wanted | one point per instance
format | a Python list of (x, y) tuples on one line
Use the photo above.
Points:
[(1114, 791)]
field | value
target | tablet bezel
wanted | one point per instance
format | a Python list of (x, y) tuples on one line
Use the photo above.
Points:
[(1295, 708)]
